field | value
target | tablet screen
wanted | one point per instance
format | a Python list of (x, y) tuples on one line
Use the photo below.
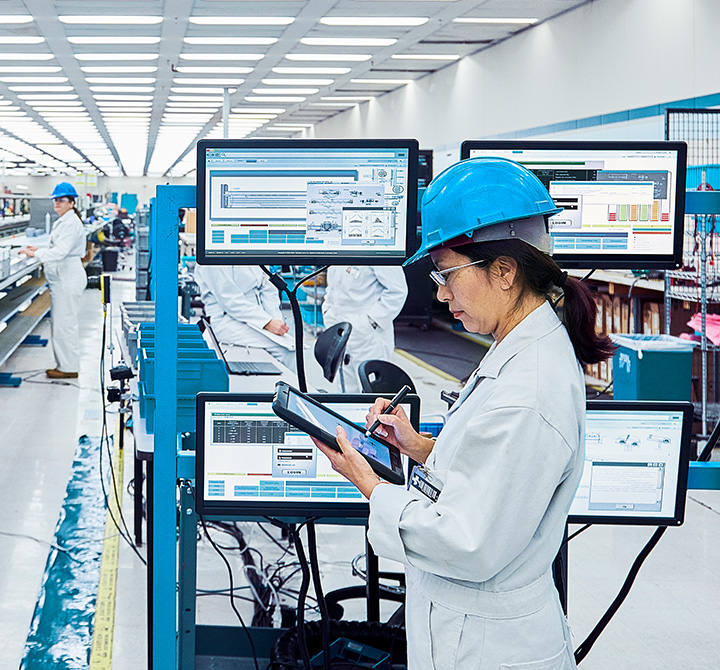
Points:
[(368, 446)]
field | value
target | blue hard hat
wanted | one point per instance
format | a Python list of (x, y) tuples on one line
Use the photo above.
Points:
[(480, 192), (64, 190)]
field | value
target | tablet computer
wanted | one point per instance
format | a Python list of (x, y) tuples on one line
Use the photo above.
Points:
[(301, 411)]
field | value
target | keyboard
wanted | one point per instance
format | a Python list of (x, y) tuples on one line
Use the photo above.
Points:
[(252, 368)]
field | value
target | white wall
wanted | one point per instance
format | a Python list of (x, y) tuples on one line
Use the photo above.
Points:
[(607, 56)]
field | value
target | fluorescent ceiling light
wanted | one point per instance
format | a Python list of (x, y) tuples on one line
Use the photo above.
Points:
[(257, 110), (212, 105), (7, 55), (329, 57), (288, 98), (120, 80), (6, 39), (469, 19), (47, 89), (201, 90), (380, 81), (113, 39), (294, 125), (223, 57), (333, 104), (16, 69), (374, 20), (116, 96), (252, 117), (197, 81), (116, 56), (232, 41), (15, 18), (311, 70), (199, 98), (425, 56), (127, 69), (33, 80), (297, 82), (241, 20), (122, 89), (48, 100), (353, 98), (130, 19), (110, 103), (190, 110), (347, 41), (48, 96), (192, 69), (285, 91)]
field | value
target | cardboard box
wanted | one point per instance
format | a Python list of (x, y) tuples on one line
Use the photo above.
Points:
[(190, 220)]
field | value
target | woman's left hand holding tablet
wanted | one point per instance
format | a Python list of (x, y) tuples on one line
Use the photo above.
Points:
[(350, 463)]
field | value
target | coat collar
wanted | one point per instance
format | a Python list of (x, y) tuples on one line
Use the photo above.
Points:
[(540, 322)]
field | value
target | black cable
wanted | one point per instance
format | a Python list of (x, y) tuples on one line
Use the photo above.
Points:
[(285, 550), (575, 534), (582, 651), (232, 591), (603, 391), (302, 642), (324, 616)]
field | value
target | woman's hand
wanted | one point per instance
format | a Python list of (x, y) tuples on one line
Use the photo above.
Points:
[(28, 251), (350, 463), (397, 429), (276, 327)]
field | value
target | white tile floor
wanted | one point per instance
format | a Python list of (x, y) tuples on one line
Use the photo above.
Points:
[(671, 619)]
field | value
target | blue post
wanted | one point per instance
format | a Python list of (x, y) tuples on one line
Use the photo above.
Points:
[(164, 233)]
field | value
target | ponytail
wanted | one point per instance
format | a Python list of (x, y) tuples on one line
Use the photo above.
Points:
[(541, 275)]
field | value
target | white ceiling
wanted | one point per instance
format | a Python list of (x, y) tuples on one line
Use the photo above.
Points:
[(78, 92)]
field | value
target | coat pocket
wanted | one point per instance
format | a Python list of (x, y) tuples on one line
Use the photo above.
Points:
[(560, 661)]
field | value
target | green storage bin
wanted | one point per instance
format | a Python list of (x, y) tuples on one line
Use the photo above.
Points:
[(652, 367)]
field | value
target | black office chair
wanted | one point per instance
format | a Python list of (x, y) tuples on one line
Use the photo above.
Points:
[(330, 350), (378, 376)]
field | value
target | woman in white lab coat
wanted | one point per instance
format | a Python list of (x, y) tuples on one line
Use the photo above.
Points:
[(62, 264), (369, 298), (478, 542), (244, 309)]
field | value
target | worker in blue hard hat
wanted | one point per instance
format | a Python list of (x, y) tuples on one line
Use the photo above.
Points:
[(62, 263), (485, 513)]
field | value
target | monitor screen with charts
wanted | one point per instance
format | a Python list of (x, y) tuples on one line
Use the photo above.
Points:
[(636, 463), (306, 201), (623, 202), (249, 462)]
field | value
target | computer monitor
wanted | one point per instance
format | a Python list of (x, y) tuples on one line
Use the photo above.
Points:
[(636, 463), (306, 201), (623, 202), (251, 463)]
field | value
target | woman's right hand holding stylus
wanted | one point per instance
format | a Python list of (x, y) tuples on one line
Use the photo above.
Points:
[(397, 429)]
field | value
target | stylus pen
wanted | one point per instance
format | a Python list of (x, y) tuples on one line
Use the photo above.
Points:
[(393, 404)]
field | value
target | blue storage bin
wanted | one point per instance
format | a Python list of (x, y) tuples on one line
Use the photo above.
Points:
[(195, 375), (185, 413), (652, 367), (311, 314), (146, 359)]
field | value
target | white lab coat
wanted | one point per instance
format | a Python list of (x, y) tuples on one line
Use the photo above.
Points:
[(369, 298), (62, 263), (240, 301), (480, 594)]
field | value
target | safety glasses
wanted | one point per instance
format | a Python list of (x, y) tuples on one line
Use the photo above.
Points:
[(439, 276)]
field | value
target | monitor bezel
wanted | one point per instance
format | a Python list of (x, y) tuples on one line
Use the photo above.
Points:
[(670, 261), (286, 510), (313, 257), (683, 407)]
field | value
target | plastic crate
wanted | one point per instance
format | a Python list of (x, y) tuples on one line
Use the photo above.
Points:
[(652, 367), (195, 375), (185, 413), (146, 362), (312, 314)]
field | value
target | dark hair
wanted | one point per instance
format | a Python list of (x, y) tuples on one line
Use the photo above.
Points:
[(539, 273)]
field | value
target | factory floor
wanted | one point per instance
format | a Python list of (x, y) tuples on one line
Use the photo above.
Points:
[(670, 620)]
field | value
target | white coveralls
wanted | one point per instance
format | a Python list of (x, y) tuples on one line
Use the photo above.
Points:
[(369, 298), (480, 594), (240, 301), (66, 278)]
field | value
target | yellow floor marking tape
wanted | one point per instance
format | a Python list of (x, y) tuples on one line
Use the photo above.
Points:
[(104, 624), (427, 366)]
